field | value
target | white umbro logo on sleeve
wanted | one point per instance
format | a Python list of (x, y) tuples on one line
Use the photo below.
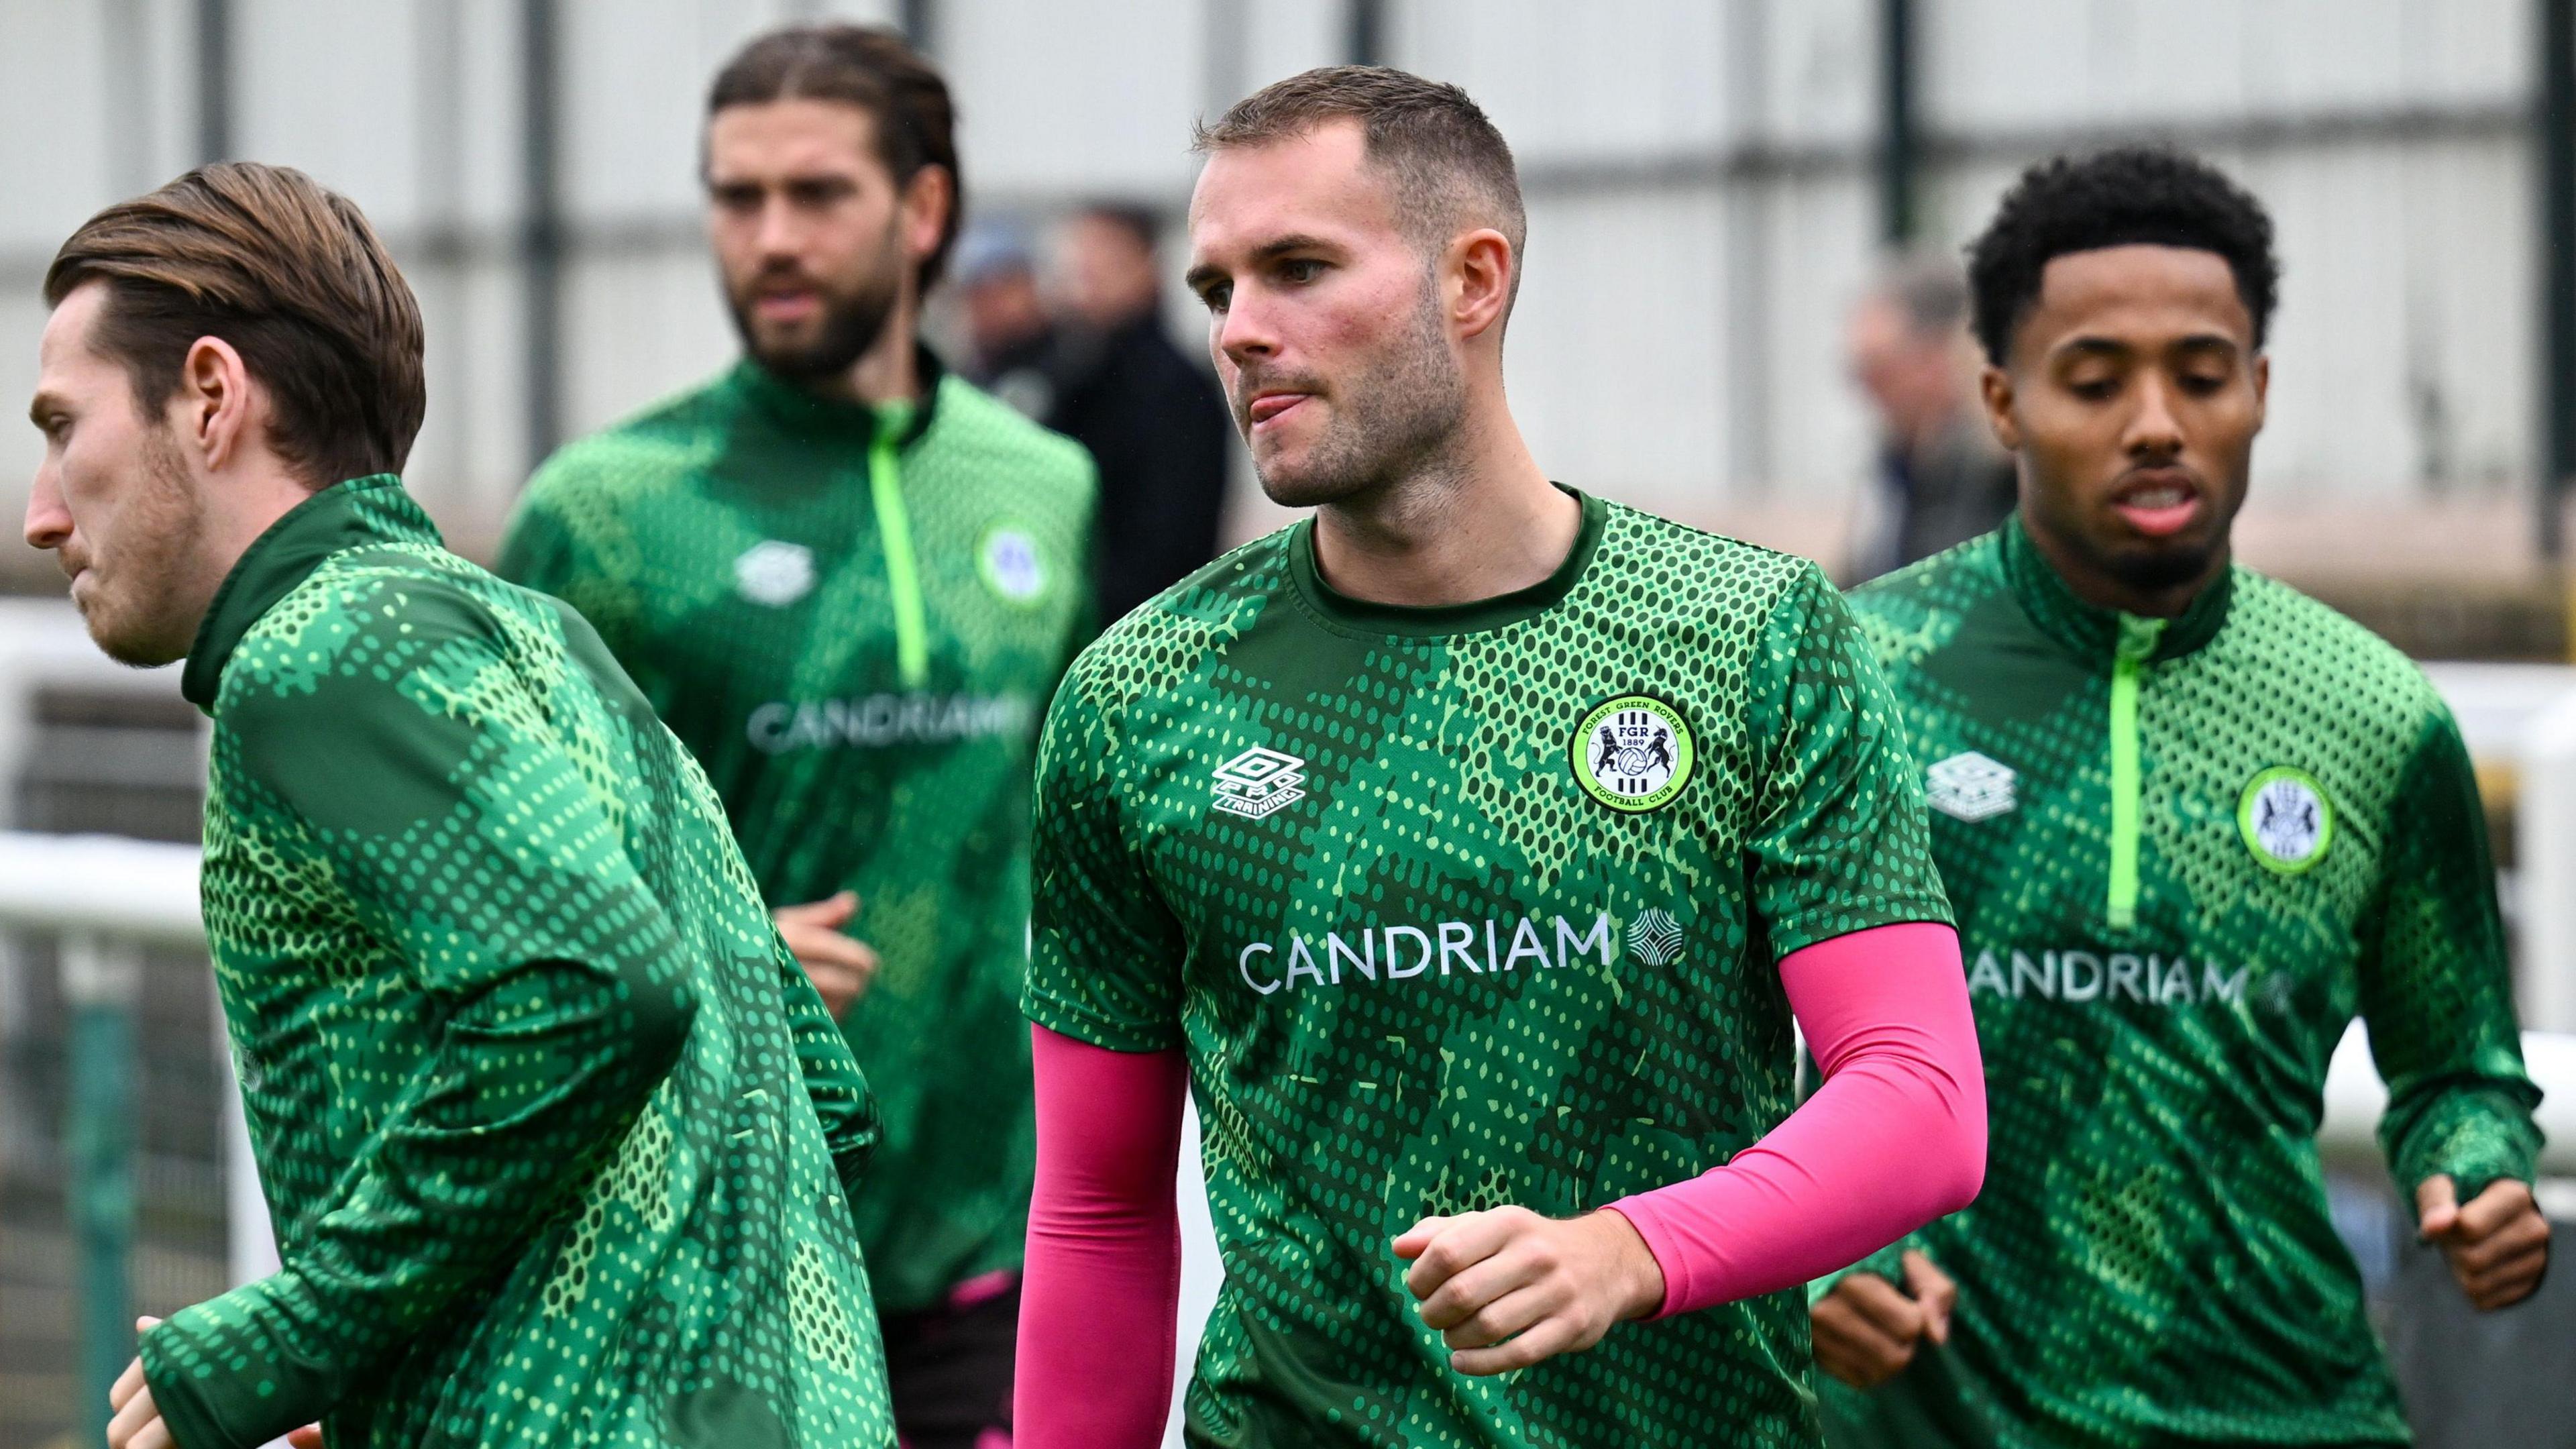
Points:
[(1970, 787), (1259, 783)]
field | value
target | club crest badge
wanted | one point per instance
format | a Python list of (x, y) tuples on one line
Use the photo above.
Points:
[(2285, 819), (774, 573), (1633, 753), (1009, 561), (1970, 787), (1259, 783)]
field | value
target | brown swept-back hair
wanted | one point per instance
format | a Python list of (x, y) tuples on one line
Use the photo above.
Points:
[(874, 70), (1447, 162), (292, 276)]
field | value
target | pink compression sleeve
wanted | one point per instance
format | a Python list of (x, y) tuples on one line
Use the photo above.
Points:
[(1894, 1138), (1100, 1297)]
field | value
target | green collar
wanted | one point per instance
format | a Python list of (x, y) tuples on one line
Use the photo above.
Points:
[(362, 511), (809, 415), (1366, 617), (2096, 634)]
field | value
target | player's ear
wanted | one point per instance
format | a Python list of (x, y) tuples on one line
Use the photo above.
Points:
[(1995, 386), (1480, 275), (212, 405), (928, 198), (2262, 388)]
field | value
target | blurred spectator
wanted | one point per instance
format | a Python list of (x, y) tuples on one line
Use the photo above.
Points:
[(1943, 478), (1150, 415), (1010, 342)]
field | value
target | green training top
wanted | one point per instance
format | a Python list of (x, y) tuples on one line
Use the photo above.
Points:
[(2183, 853), (854, 621), (1454, 908), (532, 1082)]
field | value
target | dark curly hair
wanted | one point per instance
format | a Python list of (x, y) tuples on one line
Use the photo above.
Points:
[(2119, 197)]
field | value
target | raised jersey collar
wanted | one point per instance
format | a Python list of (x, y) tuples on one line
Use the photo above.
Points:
[(2101, 635), (1375, 618), (362, 511), (807, 413)]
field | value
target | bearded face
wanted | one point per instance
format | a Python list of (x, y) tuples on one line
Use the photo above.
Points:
[(811, 233)]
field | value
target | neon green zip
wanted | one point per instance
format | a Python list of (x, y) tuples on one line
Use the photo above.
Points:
[(903, 576), (2137, 642)]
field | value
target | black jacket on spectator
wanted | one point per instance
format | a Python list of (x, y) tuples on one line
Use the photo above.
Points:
[(1155, 423)]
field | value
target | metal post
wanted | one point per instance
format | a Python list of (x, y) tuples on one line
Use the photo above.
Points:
[(2557, 116), (1899, 144), (100, 980), (919, 22), (1365, 39), (1221, 56), (214, 22), (1746, 325), (541, 209)]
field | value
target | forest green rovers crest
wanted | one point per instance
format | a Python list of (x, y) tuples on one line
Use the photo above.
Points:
[(1632, 753)]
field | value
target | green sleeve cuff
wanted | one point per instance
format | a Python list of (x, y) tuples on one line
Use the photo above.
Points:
[(2479, 1137), (207, 1404)]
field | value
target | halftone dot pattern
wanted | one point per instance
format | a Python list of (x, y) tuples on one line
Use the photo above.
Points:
[(2151, 1259), (533, 1086), (785, 681), (1408, 991)]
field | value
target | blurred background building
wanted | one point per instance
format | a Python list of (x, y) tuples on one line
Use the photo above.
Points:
[(1714, 187)]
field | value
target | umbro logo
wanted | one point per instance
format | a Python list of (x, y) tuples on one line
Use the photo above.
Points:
[(1259, 783), (774, 573), (1970, 787)]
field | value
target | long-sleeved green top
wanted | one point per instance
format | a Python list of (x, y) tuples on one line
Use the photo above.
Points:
[(2184, 854), (556, 1137), (854, 617)]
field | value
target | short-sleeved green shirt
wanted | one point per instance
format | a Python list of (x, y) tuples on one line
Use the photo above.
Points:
[(1461, 907), (557, 1137)]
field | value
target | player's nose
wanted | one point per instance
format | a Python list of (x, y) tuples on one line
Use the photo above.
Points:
[(2156, 425), (1245, 332), (48, 523)]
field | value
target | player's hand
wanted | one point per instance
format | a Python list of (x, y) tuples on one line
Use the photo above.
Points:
[(1866, 1330), (137, 1424), (1510, 1287), (308, 1437), (840, 967), (2497, 1242)]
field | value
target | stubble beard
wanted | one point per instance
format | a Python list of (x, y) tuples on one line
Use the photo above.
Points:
[(135, 613), (1392, 422)]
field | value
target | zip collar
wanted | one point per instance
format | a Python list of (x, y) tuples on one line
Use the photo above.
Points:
[(810, 415), (2098, 635), (355, 514)]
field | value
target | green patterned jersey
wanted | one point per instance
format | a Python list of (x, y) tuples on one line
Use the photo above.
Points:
[(555, 1135), (2183, 854), (854, 622), (1453, 908)]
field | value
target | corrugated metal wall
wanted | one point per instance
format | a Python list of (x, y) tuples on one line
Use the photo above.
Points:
[(1702, 204)]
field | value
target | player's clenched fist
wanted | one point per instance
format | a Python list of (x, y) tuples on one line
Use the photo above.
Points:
[(1866, 1329), (1510, 1287), (2497, 1242)]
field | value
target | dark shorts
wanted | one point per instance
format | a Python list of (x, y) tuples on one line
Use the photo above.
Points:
[(949, 1367)]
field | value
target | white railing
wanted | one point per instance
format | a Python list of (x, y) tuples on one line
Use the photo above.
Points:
[(2520, 719), (103, 894)]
